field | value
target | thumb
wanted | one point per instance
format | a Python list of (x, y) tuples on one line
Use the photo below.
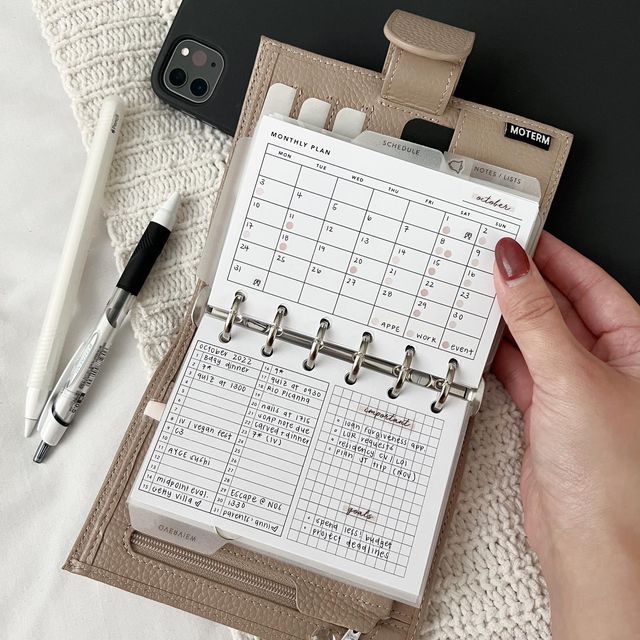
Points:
[(530, 311)]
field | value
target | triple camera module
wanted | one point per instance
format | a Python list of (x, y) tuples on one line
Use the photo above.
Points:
[(193, 71)]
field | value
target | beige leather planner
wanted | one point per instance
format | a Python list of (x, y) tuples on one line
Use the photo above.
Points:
[(260, 582)]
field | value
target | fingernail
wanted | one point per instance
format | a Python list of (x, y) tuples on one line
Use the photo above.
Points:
[(512, 260)]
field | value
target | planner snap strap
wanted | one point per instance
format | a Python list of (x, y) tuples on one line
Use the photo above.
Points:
[(424, 62)]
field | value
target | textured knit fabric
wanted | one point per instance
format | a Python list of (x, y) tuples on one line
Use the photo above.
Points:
[(105, 47), (488, 584)]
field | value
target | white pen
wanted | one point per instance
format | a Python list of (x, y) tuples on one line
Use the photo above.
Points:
[(78, 376), (74, 256)]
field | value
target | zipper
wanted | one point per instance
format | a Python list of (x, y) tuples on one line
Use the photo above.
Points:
[(222, 572), (206, 566)]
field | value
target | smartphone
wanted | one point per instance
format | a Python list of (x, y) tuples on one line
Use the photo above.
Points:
[(205, 63)]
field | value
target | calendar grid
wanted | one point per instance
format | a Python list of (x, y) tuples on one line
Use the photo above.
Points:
[(315, 234)]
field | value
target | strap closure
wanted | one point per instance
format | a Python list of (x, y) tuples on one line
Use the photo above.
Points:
[(424, 61)]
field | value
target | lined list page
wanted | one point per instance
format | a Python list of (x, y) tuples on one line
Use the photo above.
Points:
[(301, 465)]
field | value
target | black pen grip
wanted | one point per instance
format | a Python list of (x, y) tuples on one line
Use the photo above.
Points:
[(143, 258)]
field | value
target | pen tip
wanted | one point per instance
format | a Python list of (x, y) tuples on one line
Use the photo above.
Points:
[(41, 452), (168, 211), (29, 424)]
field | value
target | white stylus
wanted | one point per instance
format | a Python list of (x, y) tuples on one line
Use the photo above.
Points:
[(74, 256)]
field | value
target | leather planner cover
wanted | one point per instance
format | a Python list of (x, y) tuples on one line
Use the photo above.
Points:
[(244, 589)]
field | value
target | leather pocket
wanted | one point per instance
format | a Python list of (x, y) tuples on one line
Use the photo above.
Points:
[(319, 598), (480, 134)]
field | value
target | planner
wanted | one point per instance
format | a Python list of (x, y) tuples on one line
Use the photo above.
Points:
[(292, 458), (320, 410)]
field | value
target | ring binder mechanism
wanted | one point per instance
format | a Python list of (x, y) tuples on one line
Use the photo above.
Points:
[(358, 358), (232, 316), (445, 385), (317, 344), (403, 372), (274, 331)]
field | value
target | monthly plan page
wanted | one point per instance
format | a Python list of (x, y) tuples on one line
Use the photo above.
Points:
[(369, 242)]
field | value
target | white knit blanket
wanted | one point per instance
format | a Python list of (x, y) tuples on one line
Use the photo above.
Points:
[(488, 584)]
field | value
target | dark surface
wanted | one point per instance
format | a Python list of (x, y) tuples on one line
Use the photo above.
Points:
[(569, 64)]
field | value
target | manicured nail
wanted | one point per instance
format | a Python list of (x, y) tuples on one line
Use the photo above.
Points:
[(512, 260)]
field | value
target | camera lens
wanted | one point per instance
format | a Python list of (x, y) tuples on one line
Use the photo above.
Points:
[(177, 77), (199, 87)]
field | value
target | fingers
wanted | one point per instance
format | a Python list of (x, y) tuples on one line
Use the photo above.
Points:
[(531, 313), (511, 369), (509, 365), (600, 301)]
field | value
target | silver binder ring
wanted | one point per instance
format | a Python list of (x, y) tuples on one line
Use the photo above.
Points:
[(225, 334), (316, 345), (403, 373), (274, 331), (358, 358), (445, 386)]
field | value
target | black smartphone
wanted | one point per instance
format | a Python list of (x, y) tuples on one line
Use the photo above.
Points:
[(206, 60)]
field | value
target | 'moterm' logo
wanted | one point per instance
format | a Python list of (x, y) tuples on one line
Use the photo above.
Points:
[(537, 139)]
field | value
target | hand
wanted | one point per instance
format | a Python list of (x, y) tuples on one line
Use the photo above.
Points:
[(572, 365)]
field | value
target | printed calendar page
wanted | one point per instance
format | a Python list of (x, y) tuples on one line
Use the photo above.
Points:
[(298, 464), (369, 242)]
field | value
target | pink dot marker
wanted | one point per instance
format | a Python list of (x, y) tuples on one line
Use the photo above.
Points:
[(375, 321), (438, 250), (467, 283), (259, 191), (388, 281), (353, 269), (482, 240), (475, 262), (447, 254), (395, 259), (445, 345), (459, 304), (410, 333), (424, 292), (246, 234), (283, 246), (289, 225), (446, 231), (417, 313), (453, 324), (431, 271)]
